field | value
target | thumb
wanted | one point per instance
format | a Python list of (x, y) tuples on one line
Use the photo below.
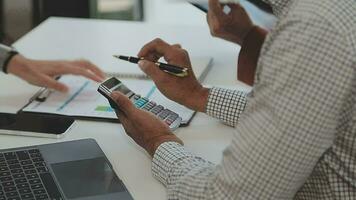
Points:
[(123, 102), (151, 69)]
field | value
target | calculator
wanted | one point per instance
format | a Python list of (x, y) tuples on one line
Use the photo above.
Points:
[(171, 118)]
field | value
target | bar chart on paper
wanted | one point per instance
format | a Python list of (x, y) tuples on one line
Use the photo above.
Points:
[(83, 100)]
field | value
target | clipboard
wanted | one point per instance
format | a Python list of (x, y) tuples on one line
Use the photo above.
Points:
[(83, 102)]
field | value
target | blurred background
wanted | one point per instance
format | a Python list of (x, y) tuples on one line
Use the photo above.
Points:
[(17, 17)]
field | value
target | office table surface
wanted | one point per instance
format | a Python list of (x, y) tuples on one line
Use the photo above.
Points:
[(96, 40)]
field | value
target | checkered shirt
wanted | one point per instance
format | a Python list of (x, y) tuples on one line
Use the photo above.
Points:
[(296, 138)]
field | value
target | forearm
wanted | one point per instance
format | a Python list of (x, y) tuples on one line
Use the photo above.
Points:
[(197, 100), (185, 175), (249, 55), (223, 104)]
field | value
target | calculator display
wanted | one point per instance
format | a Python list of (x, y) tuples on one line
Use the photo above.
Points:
[(111, 83), (116, 85), (122, 88)]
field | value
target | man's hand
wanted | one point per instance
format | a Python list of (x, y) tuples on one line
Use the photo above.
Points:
[(184, 90), (43, 73), (233, 26), (143, 127)]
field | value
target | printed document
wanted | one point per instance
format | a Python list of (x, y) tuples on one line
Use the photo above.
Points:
[(83, 99)]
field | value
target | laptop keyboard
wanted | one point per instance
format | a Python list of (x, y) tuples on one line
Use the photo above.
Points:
[(24, 176)]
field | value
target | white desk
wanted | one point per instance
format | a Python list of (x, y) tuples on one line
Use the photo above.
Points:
[(59, 38)]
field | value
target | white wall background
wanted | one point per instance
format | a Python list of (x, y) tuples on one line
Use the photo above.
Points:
[(168, 12), (18, 17)]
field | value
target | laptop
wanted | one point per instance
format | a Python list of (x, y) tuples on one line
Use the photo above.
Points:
[(70, 170)]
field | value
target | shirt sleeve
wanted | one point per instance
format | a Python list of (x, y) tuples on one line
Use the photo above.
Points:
[(4, 54), (183, 173), (226, 105), (288, 124), (278, 6)]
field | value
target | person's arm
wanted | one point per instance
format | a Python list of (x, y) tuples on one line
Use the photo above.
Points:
[(44, 72), (288, 124), (237, 27), (226, 105)]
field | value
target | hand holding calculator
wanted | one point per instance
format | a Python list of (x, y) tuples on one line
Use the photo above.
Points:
[(171, 118)]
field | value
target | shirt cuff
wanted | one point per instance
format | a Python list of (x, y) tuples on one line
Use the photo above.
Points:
[(165, 156), (226, 105), (4, 54)]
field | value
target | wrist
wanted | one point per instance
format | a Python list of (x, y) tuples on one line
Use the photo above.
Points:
[(249, 54), (247, 33), (16, 64), (238, 36), (8, 61), (198, 99)]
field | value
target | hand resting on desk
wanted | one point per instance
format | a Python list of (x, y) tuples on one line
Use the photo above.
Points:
[(43, 73)]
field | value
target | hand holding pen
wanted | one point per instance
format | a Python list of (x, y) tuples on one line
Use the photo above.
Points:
[(186, 90), (171, 69)]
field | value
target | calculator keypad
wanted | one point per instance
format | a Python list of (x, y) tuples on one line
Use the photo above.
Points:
[(171, 118), (166, 115), (157, 109), (149, 106), (139, 103)]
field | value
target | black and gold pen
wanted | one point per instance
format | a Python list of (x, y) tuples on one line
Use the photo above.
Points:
[(171, 69)]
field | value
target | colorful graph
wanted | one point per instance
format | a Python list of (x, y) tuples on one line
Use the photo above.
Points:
[(104, 109)]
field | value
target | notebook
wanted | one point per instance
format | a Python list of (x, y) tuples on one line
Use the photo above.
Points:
[(200, 65)]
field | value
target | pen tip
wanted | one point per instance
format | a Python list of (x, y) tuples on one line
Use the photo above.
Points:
[(121, 57)]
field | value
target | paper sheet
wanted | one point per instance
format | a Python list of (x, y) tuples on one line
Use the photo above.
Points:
[(83, 100)]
